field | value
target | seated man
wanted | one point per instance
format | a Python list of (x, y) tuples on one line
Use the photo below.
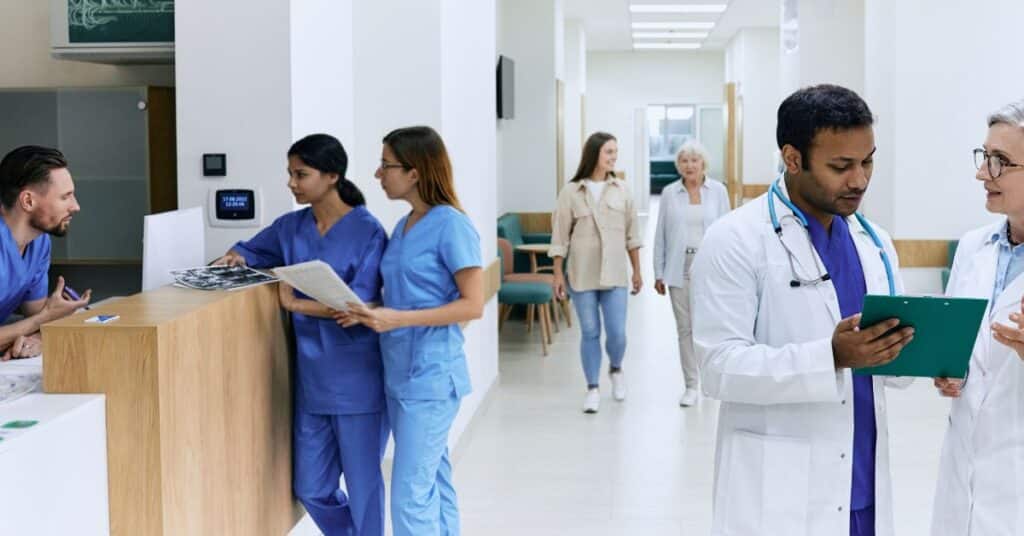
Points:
[(37, 199)]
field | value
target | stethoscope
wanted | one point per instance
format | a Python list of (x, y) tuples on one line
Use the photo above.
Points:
[(775, 192)]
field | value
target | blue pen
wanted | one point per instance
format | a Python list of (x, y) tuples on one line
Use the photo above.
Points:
[(74, 295)]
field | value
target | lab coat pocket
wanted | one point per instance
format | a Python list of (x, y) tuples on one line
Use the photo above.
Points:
[(763, 485)]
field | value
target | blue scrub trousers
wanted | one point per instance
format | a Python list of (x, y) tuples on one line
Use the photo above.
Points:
[(423, 501), (590, 306), (328, 447), (862, 522)]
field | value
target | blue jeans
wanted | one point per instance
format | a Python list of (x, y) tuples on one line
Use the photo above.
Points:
[(590, 306)]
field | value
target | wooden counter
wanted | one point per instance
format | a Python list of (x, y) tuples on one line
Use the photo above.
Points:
[(198, 408)]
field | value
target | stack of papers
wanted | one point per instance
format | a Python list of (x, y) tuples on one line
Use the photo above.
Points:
[(18, 377), (220, 277), (319, 281)]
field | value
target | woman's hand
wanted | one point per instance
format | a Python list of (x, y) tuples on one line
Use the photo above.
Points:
[(558, 285), (949, 386), (23, 346), (381, 319), (638, 282), (1012, 337), (659, 287), (231, 258)]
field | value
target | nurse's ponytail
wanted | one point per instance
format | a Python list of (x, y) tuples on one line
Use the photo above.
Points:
[(325, 154)]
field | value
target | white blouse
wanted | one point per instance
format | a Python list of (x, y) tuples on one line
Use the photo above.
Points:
[(678, 227)]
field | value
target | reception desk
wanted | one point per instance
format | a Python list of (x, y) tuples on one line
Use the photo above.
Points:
[(198, 408)]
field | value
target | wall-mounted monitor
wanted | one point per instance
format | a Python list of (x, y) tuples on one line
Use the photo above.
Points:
[(506, 88)]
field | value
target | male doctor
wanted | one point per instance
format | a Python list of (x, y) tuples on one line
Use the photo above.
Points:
[(777, 290)]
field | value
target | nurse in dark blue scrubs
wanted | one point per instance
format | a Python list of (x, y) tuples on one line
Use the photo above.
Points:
[(341, 425)]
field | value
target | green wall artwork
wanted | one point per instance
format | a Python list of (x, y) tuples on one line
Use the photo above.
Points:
[(121, 21)]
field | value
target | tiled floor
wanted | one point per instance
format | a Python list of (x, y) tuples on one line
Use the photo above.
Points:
[(535, 464)]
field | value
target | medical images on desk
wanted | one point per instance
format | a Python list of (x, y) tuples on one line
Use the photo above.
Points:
[(220, 277)]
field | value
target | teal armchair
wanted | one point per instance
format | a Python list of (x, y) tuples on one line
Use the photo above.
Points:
[(510, 228)]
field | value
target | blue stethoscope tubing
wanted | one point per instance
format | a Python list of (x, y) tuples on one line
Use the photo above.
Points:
[(773, 192)]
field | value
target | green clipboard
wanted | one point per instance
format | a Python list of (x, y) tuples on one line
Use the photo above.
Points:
[(944, 333)]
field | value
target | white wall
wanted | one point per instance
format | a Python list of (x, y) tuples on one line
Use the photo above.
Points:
[(575, 89), (932, 94), (527, 143), (397, 77), (753, 62), (468, 124), (620, 82), (25, 60), (233, 96), (831, 46)]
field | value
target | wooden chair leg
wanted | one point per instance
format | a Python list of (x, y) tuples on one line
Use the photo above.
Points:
[(545, 315), (529, 318), (554, 314), (501, 316), (543, 330), (566, 311), (508, 312)]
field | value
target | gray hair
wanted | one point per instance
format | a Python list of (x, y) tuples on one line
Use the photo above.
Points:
[(693, 147), (1012, 114)]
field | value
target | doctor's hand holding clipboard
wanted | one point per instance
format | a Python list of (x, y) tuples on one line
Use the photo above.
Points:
[(876, 345)]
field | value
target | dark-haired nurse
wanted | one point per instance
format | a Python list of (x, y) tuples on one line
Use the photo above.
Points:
[(341, 425)]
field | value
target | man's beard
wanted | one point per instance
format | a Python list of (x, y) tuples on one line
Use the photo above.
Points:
[(58, 230)]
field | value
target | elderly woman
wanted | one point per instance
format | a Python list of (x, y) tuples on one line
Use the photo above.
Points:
[(981, 473), (688, 207)]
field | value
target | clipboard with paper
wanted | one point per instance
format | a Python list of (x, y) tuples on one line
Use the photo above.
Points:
[(944, 333), (319, 281)]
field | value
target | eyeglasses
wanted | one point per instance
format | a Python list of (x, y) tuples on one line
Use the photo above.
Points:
[(384, 166), (996, 163)]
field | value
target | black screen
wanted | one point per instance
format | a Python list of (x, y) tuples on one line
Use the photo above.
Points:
[(236, 205), (506, 88)]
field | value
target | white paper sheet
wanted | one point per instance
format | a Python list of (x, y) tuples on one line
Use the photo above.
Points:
[(319, 281)]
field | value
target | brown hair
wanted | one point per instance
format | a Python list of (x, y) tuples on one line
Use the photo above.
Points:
[(421, 148), (591, 152)]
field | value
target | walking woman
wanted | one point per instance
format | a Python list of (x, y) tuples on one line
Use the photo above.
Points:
[(340, 426), (433, 280), (595, 224), (688, 207)]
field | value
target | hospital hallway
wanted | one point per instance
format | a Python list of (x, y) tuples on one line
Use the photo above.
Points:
[(533, 463)]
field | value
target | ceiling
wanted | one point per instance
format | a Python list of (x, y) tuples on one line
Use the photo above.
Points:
[(608, 22)]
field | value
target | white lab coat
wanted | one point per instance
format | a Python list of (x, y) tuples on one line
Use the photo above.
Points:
[(980, 490), (783, 464)]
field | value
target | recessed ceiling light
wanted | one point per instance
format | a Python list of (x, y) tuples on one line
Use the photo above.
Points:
[(689, 46), (669, 35), (673, 25), (677, 8)]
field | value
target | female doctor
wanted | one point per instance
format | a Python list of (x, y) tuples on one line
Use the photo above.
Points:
[(981, 472), (433, 280), (340, 425)]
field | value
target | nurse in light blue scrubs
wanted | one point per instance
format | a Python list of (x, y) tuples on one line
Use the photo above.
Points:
[(433, 280), (340, 426)]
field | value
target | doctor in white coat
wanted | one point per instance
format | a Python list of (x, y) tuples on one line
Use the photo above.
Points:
[(802, 443), (980, 490)]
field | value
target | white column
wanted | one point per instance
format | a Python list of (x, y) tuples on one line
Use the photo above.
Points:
[(526, 144), (575, 89), (753, 63), (830, 45)]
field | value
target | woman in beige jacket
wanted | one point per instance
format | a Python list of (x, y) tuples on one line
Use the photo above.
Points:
[(595, 224)]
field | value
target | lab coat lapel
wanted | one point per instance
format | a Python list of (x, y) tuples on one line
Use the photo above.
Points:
[(875, 279)]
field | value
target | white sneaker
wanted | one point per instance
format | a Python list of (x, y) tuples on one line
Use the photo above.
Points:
[(689, 398), (618, 386), (592, 401)]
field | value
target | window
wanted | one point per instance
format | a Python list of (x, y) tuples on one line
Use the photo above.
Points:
[(669, 125)]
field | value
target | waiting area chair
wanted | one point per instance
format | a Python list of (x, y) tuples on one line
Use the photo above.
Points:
[(532, 290)]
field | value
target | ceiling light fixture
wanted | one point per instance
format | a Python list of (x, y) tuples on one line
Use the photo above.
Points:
[(669, 35), (677, 8), (685, 46), (673, 25)]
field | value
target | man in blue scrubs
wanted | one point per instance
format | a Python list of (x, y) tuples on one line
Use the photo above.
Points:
[(37, 199)]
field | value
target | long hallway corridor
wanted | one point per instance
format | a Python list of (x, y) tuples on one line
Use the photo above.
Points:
[(534, 464)]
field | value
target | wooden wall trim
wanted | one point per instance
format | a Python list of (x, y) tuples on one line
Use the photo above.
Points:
[(922, 253), (535, 222), (751, 191), (492, 279)]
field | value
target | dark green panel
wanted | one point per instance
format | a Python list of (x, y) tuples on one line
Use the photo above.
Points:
[(120, 21)]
